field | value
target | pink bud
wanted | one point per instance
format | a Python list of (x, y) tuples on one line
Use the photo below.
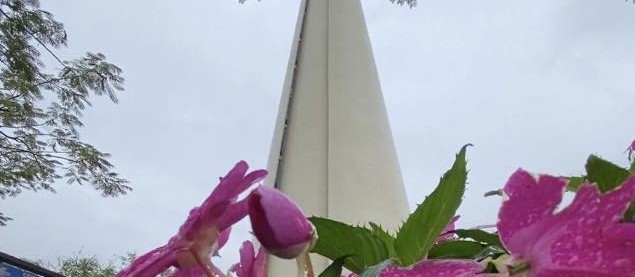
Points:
[(278, 223)]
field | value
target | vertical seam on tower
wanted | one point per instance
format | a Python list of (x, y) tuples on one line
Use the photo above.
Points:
[(283, 140), (328, 105)]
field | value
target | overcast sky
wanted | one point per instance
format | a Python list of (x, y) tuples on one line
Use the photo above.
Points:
[(535, 84)]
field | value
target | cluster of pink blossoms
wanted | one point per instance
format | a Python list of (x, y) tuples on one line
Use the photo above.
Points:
[(588, 238), (277, 222)]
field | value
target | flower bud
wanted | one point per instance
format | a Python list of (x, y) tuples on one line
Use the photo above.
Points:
[(278, 223)]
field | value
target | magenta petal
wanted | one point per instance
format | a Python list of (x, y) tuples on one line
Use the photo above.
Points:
[(251, 264), (150, 264), (195, 271), (222, 239), (586, 238), (204, 231), (234, 183), (529, 201), (260, 264), (247, 255), (217, 204), (436, 268), (278, 223), (234, 213)]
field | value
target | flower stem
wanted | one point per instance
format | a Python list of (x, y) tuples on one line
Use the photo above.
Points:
[(309, 265), (301, 264), (203, 265)]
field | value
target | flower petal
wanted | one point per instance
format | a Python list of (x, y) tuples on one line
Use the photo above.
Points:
[(222, 239), (150, 264), (586, 237), (233, 213), (529, 201), (251, 264)]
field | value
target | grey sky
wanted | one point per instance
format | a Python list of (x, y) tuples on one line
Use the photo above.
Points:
[(536, 84)]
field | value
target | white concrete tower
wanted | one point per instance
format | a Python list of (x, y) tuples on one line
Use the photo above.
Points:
[(332, 150)]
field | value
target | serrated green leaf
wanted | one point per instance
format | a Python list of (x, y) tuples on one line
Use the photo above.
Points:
[(418, 234), (375, 270), (387, 238), (336, 239), (456, 249), (606, 174), (479, 236), (335, 268)]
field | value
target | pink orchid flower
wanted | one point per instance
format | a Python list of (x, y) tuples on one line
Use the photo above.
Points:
[(251, 264), (586, 239), (203, 233), (279, 224)]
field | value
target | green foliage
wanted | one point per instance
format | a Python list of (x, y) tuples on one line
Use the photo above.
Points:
[(575, 182), (479, 236), (41, 106), (387, 238), (83, 266), (375, 270), (336, 240), (471, 244), (607, 175), (418, 234), (456, 249), (335, 268)]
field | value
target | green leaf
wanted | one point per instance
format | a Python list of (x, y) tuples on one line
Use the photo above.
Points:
[(336, 239), (606, 174), (375, 270), (490, 251), (418, 234), (456, 249), (387, 238), (575, 182), (335, 268), (479, 236)]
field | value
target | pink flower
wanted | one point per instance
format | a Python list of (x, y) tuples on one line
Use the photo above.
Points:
[(447, 233), (631, 150), (251, 264), (436, 268), (278, 223), (585, 239), (205, 230)]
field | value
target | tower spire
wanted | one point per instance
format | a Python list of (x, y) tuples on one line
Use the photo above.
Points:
[(332, 150)]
